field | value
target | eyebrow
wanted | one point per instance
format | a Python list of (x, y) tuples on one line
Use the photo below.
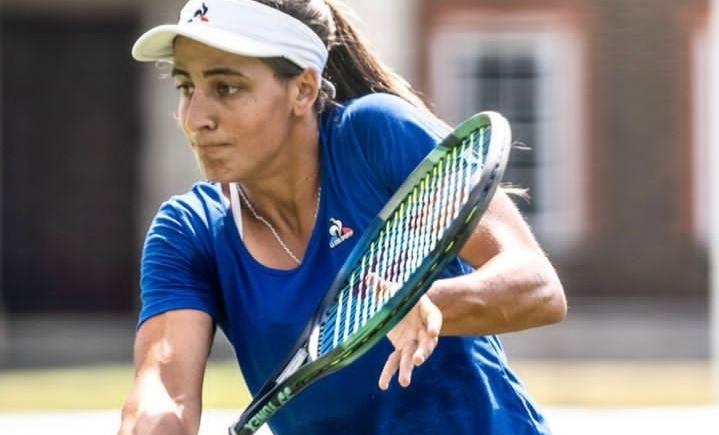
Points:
[(223, 71)]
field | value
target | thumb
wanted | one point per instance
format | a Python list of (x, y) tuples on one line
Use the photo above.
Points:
[(431, 316)]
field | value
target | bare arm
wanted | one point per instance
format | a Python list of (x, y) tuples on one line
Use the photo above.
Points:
[(514, 286), (170, 358)]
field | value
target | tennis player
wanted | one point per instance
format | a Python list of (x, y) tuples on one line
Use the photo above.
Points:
[(303, 135)]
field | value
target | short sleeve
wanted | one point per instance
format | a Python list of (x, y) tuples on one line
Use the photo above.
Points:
[(393, 135), (176, 270)]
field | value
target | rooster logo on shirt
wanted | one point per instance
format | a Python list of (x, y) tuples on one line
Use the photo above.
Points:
[(338, 232)]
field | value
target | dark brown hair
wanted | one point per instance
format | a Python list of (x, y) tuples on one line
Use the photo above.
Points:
[(352, 67)]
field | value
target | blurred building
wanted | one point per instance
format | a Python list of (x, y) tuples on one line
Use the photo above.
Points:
[(607, 97)]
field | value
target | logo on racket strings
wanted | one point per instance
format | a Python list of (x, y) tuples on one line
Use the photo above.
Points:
[(338, 232)]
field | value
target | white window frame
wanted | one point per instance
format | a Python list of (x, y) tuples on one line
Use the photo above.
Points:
[(561, 217)]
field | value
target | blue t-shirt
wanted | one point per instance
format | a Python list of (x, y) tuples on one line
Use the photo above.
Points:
[(195, 259)]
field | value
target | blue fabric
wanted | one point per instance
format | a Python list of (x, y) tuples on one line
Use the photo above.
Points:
[(193, 258)]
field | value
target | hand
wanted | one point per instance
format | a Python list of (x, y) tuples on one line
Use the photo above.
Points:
[(414, 339), (148, 423)]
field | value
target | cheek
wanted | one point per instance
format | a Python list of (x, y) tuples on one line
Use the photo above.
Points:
[(180, 115), (278, 111), (265, 119)]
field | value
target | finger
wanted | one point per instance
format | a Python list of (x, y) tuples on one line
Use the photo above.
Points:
[(389, 369), (432, 317), (406, 364), (378, 286), (427, 344), (372, 279), (372, 284)]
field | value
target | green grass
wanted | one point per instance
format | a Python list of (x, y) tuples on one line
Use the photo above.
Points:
[(576, 383), (104, 387), (615, 383)]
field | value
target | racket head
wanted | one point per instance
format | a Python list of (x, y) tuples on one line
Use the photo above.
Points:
[(307, 363), (487, 158)]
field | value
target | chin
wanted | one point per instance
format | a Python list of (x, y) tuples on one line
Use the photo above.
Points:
[(217, 171), (219, 177)]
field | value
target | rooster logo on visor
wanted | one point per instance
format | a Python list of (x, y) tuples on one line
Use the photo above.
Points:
[(201, 13)]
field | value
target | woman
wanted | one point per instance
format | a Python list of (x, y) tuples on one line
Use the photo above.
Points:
[(304, 135)]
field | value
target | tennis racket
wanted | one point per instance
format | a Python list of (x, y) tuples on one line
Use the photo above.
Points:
[(420, 229)]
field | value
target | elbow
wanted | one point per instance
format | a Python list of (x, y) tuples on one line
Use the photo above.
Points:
[(554, 300), (550, 302)]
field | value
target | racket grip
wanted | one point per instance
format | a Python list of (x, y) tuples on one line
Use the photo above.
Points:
[(259, 413), (241, 431)]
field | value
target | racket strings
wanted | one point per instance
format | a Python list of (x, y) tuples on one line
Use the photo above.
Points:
[(409, 234), (392, 264)]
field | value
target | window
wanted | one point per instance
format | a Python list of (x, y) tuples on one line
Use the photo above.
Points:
[(530, 70), (508, 81)]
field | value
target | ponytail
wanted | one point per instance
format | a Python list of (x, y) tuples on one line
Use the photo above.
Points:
[(354, 69)]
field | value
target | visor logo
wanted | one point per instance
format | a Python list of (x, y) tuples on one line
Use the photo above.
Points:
[(201, 13)]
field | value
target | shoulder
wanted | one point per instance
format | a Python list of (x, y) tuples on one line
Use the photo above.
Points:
[(387, 111), (379, 123), (378, 104), (386, 133), (192, 217), (204, 201)]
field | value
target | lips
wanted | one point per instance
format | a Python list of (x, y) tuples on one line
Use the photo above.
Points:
[(207, 145)]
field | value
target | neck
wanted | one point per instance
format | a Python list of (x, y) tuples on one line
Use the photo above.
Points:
[(288, 194)]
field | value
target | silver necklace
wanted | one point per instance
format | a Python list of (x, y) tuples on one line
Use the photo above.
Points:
[(272, 229)]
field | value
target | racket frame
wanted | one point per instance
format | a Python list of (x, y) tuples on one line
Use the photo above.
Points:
[(304, 366)]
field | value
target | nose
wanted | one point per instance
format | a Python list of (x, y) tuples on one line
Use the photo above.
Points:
[(198, 115)]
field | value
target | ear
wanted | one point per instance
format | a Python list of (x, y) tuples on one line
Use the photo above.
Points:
[(306, 91)]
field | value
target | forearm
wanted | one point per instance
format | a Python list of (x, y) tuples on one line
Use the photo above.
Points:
[(510, 292), (170, 356), (151, 409)]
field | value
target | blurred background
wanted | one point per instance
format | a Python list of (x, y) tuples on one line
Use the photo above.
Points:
[(611, 97)]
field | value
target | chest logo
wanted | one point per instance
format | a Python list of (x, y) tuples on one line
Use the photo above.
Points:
[(338, 232)]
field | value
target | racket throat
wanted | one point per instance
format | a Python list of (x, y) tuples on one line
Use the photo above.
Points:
[(294, 364)]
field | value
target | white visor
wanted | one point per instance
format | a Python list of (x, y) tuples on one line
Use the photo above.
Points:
[(243, 27)]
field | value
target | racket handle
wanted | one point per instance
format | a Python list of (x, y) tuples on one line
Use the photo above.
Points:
[(242, 431), (241, 428), (260, 412)]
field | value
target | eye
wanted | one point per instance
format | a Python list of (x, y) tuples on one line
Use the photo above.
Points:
[(185, 89), (227, 90)]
